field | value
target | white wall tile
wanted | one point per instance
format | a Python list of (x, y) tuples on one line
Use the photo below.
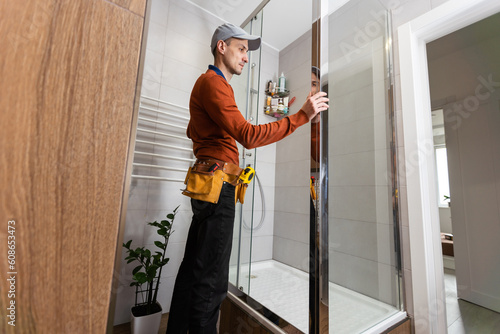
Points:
[(352, 169), (159, 12), (292, 199), (179, 75), (153, 66), (156, 37), (136, 223), (292, 253), (187, 50), (262, 248), (191, 22), (137, 198), (292, 226), (353, 202)]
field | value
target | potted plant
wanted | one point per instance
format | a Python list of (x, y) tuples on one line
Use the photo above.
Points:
[(146, 313)]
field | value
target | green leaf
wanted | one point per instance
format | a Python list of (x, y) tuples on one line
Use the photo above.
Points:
[(152, 272), (131, 260), (160, 244), (127, 245), (140, 277), (171, 216), (136, 269), (162, 231)]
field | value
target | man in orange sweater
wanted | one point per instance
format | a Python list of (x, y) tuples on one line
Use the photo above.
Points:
[(214, 127)]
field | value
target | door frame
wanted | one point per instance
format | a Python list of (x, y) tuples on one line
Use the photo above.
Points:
[(423, 217)]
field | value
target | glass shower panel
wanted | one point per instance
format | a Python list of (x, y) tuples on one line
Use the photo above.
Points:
[(246, 92), (364, 271), (279, 277)]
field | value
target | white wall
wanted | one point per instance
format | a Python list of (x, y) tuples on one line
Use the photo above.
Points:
[(474, 160), (445, 220)]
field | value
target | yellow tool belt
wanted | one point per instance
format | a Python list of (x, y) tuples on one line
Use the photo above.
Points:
[(205, 178), (312, 189)]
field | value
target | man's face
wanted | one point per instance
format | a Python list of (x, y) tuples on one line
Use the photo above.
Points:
[(314, 84), (236, 55)]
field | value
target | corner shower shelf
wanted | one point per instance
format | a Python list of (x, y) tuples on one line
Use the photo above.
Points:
[(277, 94), (273, 110)]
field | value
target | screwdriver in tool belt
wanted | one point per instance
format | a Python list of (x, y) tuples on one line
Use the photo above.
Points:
[(214, 167)]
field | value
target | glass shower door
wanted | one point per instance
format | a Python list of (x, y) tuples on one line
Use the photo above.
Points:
[(364, 266), (360, 262)]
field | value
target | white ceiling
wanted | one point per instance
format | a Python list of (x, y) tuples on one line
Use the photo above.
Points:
[(284, 20)]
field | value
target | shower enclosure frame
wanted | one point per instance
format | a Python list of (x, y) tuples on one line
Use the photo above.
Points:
[(319, 249), (318, 246)]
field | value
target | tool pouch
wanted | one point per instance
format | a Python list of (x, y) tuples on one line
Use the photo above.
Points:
[(204, 186), (240, 191)]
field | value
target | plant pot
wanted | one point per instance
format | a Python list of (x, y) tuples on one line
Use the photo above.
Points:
[(146, 324)]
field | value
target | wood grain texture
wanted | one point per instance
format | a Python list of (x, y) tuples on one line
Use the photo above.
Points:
[(135, 6), (67, 75)]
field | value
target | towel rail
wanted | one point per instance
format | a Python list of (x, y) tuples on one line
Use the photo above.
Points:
[(163, 145), (162, 134), (163, 123), (165, 156), (162, 139), (158, 178), (165, 113), (136, 164), (164, 102)]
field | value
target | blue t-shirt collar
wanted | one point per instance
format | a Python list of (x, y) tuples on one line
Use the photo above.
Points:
[(216, 70)]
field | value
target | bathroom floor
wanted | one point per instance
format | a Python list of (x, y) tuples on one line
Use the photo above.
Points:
[(285, 291), (464, 317)]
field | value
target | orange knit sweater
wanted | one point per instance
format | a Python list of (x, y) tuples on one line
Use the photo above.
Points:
[(216, 123)]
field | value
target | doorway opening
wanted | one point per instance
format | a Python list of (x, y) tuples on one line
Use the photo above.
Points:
[(464, 124), (426, 261)]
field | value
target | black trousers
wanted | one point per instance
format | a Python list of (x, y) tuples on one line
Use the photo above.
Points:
[(202, 282)]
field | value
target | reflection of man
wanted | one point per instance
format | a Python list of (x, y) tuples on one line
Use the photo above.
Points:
[(214, 127), (315, 88)]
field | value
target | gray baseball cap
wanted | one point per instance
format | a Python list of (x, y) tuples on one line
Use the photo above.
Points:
[(228, 30)]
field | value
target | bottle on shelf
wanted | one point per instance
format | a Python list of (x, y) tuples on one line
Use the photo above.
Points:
[(281, 82)]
